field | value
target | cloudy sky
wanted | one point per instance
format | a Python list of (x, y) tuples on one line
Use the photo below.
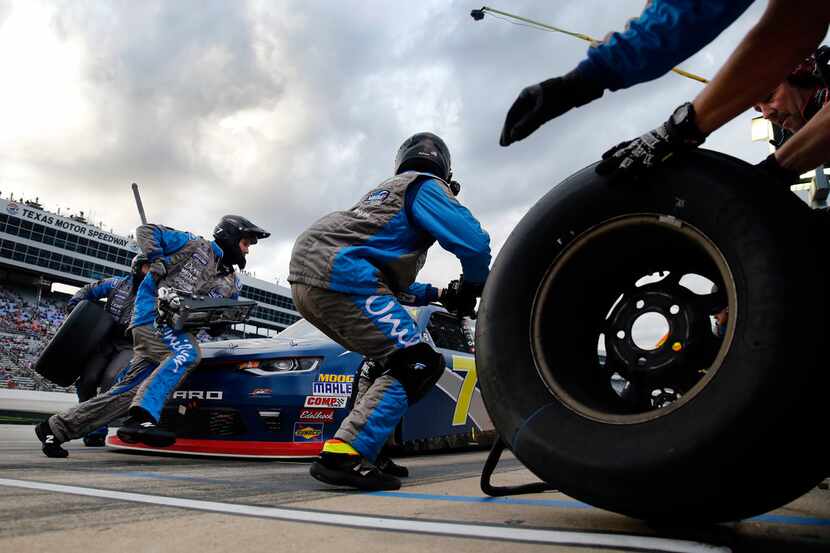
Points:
[(285, 110)]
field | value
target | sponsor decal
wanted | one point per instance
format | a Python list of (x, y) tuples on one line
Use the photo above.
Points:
[(377, 197), (391, 323), (331, 389), (331, 402), (12, 208), (198, 394), (261, 392), (200, 257), (317, 415), (335, 378), (308, 432)]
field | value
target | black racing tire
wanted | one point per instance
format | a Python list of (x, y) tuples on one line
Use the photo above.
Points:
[(65, 356), (747, 435)]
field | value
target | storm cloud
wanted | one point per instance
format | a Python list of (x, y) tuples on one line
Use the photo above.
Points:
[(284, 111)]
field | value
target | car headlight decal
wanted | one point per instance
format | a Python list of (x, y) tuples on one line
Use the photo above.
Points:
[(269, 367)]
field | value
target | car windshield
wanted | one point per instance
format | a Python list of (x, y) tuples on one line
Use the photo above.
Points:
[(301, 329)]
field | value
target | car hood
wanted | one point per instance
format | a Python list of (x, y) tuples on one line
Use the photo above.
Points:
[(270, 347)]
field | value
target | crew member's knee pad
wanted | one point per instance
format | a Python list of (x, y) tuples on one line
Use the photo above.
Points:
[(417, 368)]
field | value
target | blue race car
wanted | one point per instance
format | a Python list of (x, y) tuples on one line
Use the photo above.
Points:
[(284, 396)]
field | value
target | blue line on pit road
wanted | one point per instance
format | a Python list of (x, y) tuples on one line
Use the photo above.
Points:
[(557, 503), (572, 504)]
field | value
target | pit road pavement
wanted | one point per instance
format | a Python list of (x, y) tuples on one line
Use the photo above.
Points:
[(103, 500)]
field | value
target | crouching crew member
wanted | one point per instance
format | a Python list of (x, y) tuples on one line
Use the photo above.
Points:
[(351, 271), (162, 356), (113, 353)]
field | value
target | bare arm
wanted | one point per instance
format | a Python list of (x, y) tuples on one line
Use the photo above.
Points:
[(810, 146), (787, 33)]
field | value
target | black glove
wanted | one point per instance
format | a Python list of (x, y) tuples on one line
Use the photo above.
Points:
[(460, 297), (679, 133), (538, 104), (158, 270), (780, 175)]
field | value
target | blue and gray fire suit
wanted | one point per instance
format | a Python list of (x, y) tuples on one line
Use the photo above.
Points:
[(351, 271), (162, 357), (665, 34), (114, 352)]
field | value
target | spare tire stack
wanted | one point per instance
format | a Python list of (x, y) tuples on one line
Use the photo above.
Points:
[(742, 432)]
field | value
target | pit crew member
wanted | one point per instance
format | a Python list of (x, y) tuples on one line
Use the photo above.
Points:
[(666, 33), (351, 271), (162, 356), (113, 353), (785, 34), (798, 101)]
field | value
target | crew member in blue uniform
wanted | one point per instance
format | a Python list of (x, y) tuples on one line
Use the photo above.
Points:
[(162, 357), (665, 34), (113, 353), (350, 273)]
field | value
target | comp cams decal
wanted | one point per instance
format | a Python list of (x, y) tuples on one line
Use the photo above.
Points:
[(330, 402), (308, 432)]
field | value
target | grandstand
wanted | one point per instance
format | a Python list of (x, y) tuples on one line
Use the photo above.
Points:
[(39, 249)]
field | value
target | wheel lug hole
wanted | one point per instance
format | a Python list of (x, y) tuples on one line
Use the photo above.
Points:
[(674, 309), (621, 334), (641, 304)]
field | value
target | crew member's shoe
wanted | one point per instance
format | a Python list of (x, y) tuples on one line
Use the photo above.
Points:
[(388, 466), (341, 465), (96, 438), (51, 444), (135, 430)]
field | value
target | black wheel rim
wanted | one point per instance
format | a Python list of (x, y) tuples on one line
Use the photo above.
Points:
[(605, 283)]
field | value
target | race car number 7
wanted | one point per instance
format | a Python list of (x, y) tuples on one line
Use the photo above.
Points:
[(462, 406)]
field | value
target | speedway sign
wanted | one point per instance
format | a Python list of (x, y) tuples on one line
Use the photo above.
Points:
[(47, 219)]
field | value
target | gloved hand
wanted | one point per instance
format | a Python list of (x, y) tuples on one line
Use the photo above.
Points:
[(168, 303), (539, 103), (158, 270), (679, 133), (780, 175), (459, 297)]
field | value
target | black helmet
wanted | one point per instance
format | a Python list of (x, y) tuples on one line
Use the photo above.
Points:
[(229, 231), (424, 152), (135, 265)]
